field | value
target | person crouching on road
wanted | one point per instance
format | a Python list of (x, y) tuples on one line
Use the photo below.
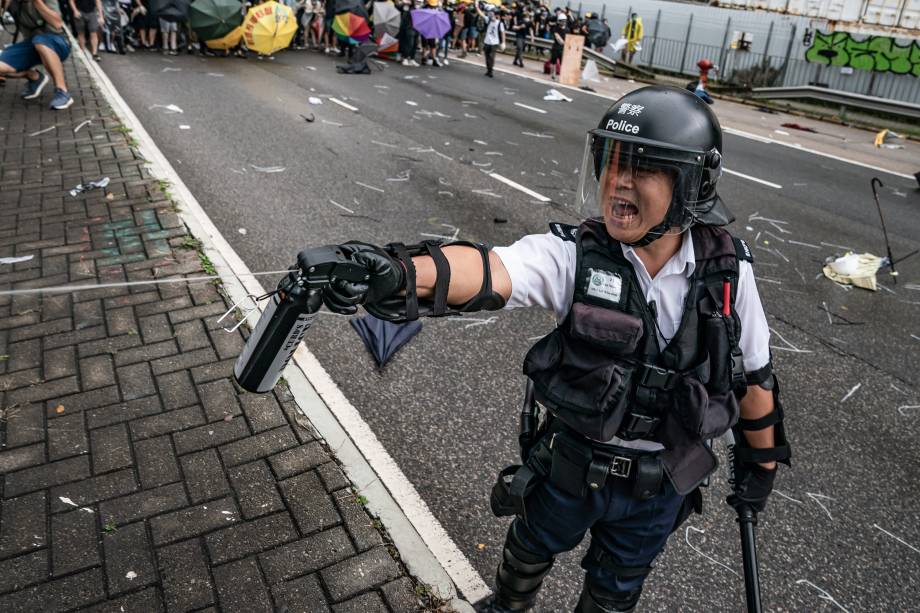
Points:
[(662, 346), (43, 42), (493, 38)]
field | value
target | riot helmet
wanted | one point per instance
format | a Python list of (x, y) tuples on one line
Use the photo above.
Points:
[(656, 131)]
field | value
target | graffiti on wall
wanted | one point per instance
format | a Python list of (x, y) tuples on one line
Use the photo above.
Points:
[(874, 53)]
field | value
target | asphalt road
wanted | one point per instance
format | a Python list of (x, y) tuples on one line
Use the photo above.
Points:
[(843, 533)]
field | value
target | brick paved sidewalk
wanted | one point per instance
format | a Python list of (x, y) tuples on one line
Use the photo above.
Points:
[(135, 474)]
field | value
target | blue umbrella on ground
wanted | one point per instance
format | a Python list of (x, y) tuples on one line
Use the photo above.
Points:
[(384, 338)]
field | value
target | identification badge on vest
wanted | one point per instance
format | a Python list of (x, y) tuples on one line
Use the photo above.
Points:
[(604, 285)]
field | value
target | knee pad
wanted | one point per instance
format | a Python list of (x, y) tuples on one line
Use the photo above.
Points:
[(595, 599), (520, 573)]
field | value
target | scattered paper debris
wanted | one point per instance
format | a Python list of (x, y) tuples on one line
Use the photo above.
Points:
[(365, 185), (314, 100), (43, 131), (70, 502), (171, 69), (16, 260), (172, 108), (538, 135), (341, 206), (242, 231), (131, 575), (411, 103), (268, 169), (86, 187), (554, 95), (185, 127), (851, 392)]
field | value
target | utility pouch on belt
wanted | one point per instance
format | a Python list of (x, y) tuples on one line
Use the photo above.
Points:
[(571, 460), (648, 478)]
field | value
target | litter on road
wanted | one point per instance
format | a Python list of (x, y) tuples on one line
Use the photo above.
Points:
[(268, 169), (86, 187), (172, 108), (16, 260), (314, 100)]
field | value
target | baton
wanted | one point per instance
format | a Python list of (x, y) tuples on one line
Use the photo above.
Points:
[(876, 180), (747, 520)]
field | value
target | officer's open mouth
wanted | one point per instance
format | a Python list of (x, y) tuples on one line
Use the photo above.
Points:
[(623, 209)]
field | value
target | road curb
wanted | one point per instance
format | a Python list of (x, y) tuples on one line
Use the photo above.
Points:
[(424, 546)]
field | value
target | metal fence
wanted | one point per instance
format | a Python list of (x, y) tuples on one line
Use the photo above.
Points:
[(678, 35)]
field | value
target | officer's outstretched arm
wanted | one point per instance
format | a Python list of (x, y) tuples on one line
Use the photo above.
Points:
[(430, 279), (466, 267)]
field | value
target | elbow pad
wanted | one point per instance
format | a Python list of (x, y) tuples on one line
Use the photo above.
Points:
[(781, 450), (409, 307)]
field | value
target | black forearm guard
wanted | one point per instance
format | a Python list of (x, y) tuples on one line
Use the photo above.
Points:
[(410, 308), (781, 450)]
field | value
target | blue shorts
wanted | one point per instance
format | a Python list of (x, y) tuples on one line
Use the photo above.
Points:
[(23, 56)]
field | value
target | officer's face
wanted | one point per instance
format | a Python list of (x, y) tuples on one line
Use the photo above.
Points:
[(634, 199)]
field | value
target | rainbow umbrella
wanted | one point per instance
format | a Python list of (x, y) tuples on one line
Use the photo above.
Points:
[(351, 27), (387, 46), (269, 27), (228, 41)]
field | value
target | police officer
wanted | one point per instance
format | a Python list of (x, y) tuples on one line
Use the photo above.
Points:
[(662, 345)]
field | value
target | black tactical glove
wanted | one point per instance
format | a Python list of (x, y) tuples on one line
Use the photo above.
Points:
[(386, 277), (753, 484)]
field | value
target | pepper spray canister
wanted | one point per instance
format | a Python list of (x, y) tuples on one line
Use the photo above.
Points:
[(289, 313)]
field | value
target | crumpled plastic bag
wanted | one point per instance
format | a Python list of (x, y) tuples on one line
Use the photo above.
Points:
[(554, 95), (91, 185), (855, 269)]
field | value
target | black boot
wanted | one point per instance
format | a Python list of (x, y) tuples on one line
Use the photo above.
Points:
[(595, 599), (519, 577)]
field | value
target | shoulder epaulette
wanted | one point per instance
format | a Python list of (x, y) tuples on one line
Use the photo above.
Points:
[(564, 231), (743, 250)]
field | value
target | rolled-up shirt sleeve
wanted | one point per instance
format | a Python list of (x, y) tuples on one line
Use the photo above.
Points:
[(755, 333), (542, 271)]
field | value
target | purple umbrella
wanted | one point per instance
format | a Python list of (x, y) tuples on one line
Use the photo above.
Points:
[(430, 23)]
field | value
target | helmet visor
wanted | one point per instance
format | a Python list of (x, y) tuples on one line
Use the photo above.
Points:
[(613, 163)]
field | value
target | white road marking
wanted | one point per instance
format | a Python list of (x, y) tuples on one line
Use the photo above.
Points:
[(424, 545), (344, 105), (755, 179), (519, 187), (764, 139), (530, 108)]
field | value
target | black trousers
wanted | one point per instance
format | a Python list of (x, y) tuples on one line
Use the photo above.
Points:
[(519, 49), (490, 57)]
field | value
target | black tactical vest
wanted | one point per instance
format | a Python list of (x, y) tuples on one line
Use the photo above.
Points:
[(602, 371)]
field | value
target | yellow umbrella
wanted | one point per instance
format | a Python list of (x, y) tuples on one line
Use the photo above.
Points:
[(495, 2), (269, 27), (228, 41)]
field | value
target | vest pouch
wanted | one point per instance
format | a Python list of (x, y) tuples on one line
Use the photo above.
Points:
[(581, 383), (719, 348), (615, 330), (703, 414), (569, 467)]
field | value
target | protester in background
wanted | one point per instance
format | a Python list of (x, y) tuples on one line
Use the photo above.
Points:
[(87, 20), (407, 36), (493, 36), (444, 43), (469, 33), (633, 33), (560, 29), (328, 34), (169, 32), (145, 23), (41, 28), (522, 27), (315, 32)]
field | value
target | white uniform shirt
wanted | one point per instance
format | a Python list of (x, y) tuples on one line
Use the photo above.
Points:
[(542, 271)]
